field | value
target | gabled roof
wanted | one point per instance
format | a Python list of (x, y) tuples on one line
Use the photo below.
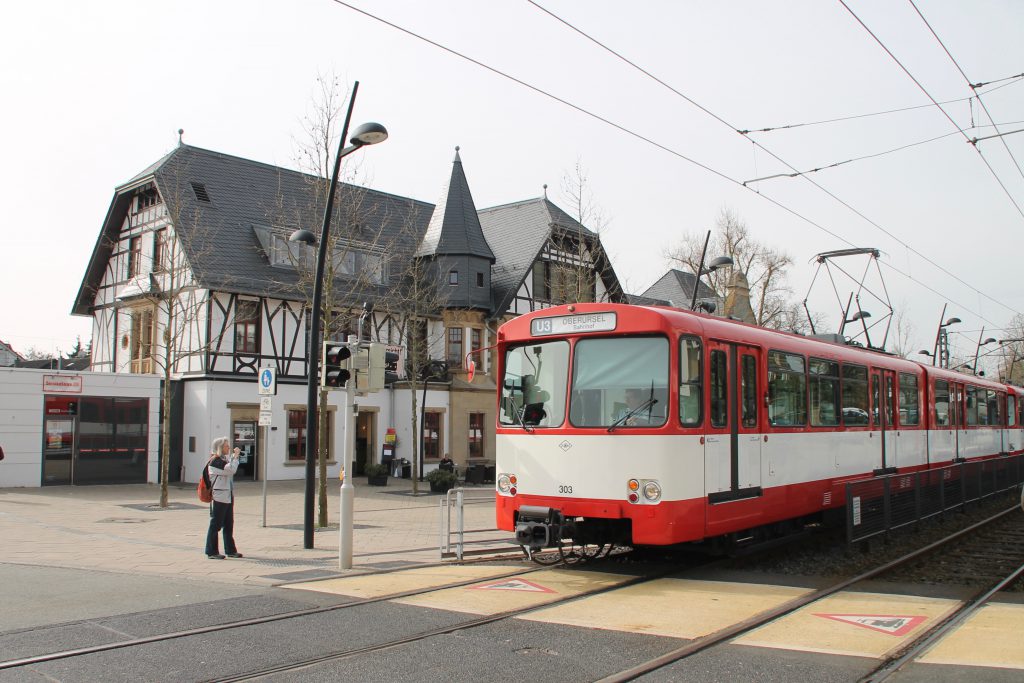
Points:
[(517, 232), (676, 287), (454, 227), (218, 237)]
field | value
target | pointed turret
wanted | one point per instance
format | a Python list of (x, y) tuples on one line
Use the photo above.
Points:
[(455, 243)]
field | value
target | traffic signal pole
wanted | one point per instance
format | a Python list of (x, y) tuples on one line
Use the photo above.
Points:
[(348, 489)]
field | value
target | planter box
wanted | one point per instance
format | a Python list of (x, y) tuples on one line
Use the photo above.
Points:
[(379, 480), (440, 488)]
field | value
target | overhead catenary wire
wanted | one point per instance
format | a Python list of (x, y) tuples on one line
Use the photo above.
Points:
[(744, 131), (929, 95), (973, 87), (676, 153), (721, 120)]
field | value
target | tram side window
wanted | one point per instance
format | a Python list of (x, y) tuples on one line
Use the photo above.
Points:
[(972, 406), (1011, 410), (749, 391), (910, 401), (719, 392), (855, 395), (995, 416), (824, 392), (690, 389), (942, 413), (787, 389)]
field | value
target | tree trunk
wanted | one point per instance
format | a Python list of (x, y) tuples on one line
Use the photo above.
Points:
[(165, 439)]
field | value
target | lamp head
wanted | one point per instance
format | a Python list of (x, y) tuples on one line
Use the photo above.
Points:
[(922, 352), (951, 321), (990, 340), (706, 306), (304, 236), (369, 134), (719, 262), (858, 316)]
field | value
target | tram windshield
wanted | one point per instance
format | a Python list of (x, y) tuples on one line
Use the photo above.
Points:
[(620, 382), (533, 387)]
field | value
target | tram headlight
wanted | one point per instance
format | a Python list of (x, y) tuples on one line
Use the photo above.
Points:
[(652, 491), (505, 483)]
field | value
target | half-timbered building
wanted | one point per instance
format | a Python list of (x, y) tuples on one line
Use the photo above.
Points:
[(193, 277)]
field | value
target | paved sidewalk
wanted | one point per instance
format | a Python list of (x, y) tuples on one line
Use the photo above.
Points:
[(122, 529)]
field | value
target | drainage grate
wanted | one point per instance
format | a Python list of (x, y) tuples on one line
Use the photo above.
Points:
[(123, 520), (294, 563), (304, 575), (322, 529)]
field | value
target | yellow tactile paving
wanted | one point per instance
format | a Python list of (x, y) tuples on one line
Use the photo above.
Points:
[(678, 608), (991, 637), (828, 626), (376, 585), (540, 587)]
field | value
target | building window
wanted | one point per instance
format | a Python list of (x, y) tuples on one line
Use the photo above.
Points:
[(454, 354), (479, 279), (453, 277), (146, 198), (540, 281), (297, 435), (160, 254), (476, 344), (432, 434), (476, 435), (142, 341), (559, 284), (247, 319), (134, 256)]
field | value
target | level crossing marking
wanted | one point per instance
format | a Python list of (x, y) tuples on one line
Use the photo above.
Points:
[(515, 584), (889, 624)]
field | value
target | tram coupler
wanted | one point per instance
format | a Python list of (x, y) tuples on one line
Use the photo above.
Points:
[(539, 527)]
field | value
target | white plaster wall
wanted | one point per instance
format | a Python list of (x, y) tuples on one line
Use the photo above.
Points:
[(403, 419), (21, 417), (207, 415)]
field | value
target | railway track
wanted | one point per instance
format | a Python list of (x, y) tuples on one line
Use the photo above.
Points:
[(638, 573)]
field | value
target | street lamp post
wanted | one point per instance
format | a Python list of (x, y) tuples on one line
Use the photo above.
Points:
[(990, 340), (366, 134), (701, 270), (940, 354)]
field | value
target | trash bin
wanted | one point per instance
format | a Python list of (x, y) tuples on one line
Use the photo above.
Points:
[(475, 474), (407, 470)]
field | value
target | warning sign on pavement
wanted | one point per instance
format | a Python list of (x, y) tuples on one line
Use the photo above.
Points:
[(888, 624), (514, 585)]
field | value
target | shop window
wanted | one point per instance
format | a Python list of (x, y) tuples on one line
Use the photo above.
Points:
[(296, 448), (476, 435), (454, 352), (247, 319), (432, 434)]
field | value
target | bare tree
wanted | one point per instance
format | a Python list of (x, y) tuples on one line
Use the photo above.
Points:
[(1011, 363), (357, 244), (904, 334), (764, 267)]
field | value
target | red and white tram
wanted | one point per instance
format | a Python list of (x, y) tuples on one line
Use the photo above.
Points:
[(642, 425)]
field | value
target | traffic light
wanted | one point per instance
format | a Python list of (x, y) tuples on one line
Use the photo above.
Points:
[(390, 367), (337, 365)]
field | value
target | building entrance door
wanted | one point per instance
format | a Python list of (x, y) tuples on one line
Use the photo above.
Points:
[(59, 433), (244, 438)]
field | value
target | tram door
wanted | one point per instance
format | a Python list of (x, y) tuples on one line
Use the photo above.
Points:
[(883, 400), (732, 449)]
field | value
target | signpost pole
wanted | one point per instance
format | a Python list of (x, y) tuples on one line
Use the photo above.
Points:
[(263, 465), (267, 388)]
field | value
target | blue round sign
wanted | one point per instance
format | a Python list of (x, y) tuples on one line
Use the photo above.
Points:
[(265, 378)]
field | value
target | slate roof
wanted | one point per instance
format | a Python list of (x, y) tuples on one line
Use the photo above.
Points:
[(454, 227), (676, 288), (517, 233), (218, 236)]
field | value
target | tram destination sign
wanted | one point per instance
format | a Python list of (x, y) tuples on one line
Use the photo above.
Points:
[(573, 324)]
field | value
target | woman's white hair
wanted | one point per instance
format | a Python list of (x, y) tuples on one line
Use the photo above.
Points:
[(218, 445)]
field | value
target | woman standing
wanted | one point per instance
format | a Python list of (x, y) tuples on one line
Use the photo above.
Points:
[(220, 472)]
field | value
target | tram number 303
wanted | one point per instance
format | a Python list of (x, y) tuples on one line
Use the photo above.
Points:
[(565, 489)]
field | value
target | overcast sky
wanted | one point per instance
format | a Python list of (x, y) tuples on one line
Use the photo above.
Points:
[(95, 92)]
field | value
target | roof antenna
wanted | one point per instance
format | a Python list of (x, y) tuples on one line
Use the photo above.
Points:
[(545, 190), (181, 131)]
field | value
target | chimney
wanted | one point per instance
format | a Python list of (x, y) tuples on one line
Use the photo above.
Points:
[(737, 298)]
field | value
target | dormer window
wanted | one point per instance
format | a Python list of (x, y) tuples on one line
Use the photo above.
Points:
[(453, 277), (146, 198), (134, 256)]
